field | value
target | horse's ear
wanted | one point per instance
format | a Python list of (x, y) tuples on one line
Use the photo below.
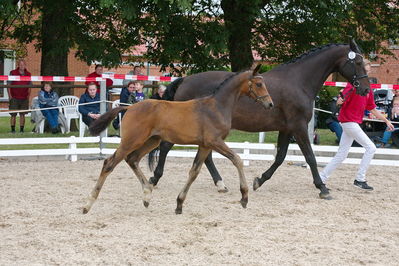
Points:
[(256, 70), (353, 46)]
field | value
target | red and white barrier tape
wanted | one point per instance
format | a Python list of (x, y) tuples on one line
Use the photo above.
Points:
[(151, 78), (83, 79)]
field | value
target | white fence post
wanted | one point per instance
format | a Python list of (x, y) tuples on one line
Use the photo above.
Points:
[(72, 147), (262, 137), (246, 152)]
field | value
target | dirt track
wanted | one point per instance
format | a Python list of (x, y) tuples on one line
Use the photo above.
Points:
[(285, 222)]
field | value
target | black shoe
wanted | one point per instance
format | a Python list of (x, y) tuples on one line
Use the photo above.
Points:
[(362, 185)]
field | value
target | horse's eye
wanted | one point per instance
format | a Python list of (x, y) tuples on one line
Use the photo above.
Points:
[(258, 84)]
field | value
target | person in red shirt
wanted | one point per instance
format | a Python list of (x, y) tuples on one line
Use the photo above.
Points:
[(350, 116), (98, 71), (19, 97)]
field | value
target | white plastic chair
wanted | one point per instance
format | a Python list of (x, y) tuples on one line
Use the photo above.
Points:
[(39, 126), (115, 104), (68, 105), (82, 125)]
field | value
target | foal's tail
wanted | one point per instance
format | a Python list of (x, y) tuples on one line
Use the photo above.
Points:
[(171, 89), (152, 158), (103, 121)]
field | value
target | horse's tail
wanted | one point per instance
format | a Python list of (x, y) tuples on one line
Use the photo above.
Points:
[(152, 158), (103, 121), (171, 89)]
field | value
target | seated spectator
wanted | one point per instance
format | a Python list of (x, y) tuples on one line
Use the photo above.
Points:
[(159, 94), (97, 74), (90, 112), (49, 98), (393, 115), (332, 122), (130, 95), (138, 95)]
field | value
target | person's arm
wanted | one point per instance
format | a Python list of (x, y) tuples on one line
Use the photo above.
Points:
[(380, 116)]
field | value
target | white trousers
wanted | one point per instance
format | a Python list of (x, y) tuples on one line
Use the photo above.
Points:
[(351, 132)]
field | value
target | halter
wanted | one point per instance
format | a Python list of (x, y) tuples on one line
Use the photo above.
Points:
[(355, 78), (253, 92)]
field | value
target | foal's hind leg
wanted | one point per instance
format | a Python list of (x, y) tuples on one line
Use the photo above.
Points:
[(133, 159), (194, 171), (108, 167), (223, 149), (282, 147)]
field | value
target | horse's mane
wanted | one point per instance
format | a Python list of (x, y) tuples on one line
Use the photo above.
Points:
[(312, 52)]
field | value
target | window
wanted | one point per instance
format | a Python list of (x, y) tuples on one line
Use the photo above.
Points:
[(7, 64)]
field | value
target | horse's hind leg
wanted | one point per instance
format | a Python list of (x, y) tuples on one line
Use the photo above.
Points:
[(202, 153), (282, 147), (217, 179), (223, 149), (164, 148), (108, 167), (133, 160)]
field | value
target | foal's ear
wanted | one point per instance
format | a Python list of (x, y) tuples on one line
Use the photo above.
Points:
[(256, 70)]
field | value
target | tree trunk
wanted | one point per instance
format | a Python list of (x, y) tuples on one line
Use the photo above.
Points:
[(55, 43), (239, 18)]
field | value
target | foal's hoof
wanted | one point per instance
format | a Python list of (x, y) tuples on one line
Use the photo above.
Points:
[(146, 203), (244, 203), (256, 183), (325, 196), (221, 187), (178, 211)]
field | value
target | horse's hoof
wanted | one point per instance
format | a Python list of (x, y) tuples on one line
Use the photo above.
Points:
[(152, 181), (244, 203), (325, 196), (85, 210), (146, 203), (178, 211), (256, 183), (221, 187)]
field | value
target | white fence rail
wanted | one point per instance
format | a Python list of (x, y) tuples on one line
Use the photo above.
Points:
[(247, 151)]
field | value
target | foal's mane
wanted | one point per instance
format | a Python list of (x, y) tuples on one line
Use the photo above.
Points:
[(225, 81), (312, 52)]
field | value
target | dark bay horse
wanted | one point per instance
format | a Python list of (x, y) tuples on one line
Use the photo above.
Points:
[(293, 87), (205, 122)]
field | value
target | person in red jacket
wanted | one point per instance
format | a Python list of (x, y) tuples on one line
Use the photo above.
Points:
[(350, 116), (19, 97), (98, 71)]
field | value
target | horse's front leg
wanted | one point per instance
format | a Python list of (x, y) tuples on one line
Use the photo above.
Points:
[(223, 149), (217, 179), (202, 153), (108, 167), (133, 160), (302, 138), (282, 147)]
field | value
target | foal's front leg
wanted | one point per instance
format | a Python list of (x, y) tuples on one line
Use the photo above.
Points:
[(202, 153), (223, 149), (133, 160), (108, 167)]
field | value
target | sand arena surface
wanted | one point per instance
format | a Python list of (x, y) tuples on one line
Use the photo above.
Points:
[(285, 222)]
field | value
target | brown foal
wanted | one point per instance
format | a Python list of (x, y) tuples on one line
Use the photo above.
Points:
[(205, 122)]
